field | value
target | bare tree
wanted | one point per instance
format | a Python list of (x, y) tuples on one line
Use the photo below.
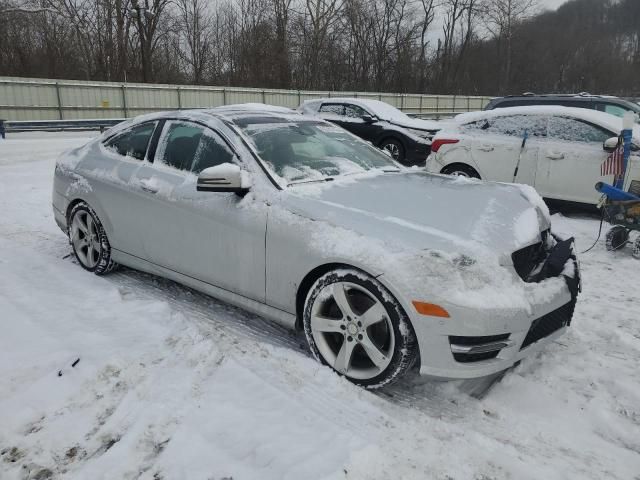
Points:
[(194, 22), (501, 17)]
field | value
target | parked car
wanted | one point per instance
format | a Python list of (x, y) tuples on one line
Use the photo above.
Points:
[(603, 103), (561, 156), (406, 139), (303, 223)]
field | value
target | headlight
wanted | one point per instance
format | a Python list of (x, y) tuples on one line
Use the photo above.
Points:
[(420, 133)]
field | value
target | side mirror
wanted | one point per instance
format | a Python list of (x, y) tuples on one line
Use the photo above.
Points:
[(610, 144), (368, 118), (226, 177)]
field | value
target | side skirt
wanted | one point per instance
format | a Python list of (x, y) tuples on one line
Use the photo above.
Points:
[(275, 315)]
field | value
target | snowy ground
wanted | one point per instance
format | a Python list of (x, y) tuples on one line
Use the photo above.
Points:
[(174, 385)]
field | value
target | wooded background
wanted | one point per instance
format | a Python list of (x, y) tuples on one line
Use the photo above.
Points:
[(488, 47)]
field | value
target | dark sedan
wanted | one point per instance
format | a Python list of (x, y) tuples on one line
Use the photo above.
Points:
[(407, 139)]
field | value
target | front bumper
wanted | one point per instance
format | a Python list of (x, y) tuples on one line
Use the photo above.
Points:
[(475, 343), (417, 153)]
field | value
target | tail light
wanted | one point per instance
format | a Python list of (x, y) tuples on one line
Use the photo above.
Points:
[(436, 144)]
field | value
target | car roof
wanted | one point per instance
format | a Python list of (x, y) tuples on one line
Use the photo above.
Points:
[(606, 120), (585, 95), (571, 97)]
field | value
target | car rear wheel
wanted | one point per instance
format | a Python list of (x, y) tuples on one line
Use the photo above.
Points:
[(616, 237), (460, 170), (395, 149), (354, 325), (89, 240)]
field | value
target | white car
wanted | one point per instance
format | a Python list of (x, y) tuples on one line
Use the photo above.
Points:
[(560, 155)]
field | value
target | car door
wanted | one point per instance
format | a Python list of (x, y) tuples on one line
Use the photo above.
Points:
[(497, 147), (355, 123), (570, 160), (210, 236), (119, 158)]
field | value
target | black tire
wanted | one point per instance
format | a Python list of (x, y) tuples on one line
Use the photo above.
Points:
[(392, 145), (405, 350), (105, 263), (616, 237), (460, 169), (636, 248)]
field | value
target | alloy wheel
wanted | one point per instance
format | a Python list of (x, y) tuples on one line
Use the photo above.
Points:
[(85, 239), (393, 149), (352, 330)]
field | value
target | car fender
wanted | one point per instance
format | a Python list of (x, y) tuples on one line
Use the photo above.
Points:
[(450, 154)]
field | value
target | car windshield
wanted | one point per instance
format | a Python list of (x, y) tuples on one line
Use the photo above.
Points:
[(385, 111), (305, 150)]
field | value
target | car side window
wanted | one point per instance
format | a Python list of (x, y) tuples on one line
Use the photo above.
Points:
[(354, 111), (133, 142), (191, 147), (514, 126), (616, 110), (332, 108), (573, 130)]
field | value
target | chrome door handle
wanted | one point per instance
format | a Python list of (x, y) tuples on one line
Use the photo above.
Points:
[(555, 156)]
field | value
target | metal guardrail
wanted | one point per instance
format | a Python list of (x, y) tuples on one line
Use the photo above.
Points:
[(56, 125), (45, 99), (106, 123)]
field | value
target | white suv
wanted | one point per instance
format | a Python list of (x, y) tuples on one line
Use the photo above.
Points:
[(558, 150)]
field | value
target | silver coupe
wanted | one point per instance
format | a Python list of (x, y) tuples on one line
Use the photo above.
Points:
[(301, 222)]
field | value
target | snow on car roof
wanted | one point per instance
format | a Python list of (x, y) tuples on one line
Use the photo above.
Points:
[(380, 109), (606, 120), (253, 107)]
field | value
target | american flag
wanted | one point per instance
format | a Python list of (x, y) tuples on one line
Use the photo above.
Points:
[(614, 164)]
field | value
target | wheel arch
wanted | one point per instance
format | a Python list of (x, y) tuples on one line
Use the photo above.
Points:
[(318, 271), (308, 281), (95, 206), (391, 136), (454, 164)]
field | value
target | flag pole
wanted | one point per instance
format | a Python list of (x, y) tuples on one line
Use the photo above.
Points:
[(627, 135)]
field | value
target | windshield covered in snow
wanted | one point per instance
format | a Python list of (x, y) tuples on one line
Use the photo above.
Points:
[(304, 150), (385, 111)]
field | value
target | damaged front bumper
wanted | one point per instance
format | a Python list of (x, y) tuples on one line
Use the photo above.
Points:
[(475, 343)]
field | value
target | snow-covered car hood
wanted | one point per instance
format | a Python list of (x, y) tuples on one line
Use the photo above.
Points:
[(416, 123), (422, 211)]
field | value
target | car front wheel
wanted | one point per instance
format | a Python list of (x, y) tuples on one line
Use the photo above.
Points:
[(354, 325), (395, 149), (89, 240)]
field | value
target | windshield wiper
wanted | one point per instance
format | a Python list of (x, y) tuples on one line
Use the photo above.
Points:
[(326, 179)]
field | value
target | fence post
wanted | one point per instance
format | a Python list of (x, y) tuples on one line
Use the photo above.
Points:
[(264, 97), (437, 104), (124, 100), (179, 99), (421, 97), (402, 101), (224, 96), (59, 101), (299, 98), (2, 130)]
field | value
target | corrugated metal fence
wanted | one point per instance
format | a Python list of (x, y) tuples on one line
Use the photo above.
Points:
[(40, 99)]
